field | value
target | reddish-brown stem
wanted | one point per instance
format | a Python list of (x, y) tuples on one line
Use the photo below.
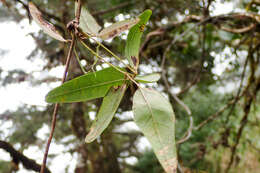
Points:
[(56, 107)]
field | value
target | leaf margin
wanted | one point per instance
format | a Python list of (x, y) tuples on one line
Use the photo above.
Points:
[(168, 162), (114, 97)]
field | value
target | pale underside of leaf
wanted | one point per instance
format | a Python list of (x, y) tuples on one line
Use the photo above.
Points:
[(117, 28), (86, 87), (149, 78), (87, 22), (47, 27), (106, 112), (89, 25), (154, 116)]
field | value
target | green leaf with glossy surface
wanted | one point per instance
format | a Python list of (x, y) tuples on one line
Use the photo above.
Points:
[(149, 78), (154, 116), (134, 39), (106, 112), (87, 22), (86, 87)]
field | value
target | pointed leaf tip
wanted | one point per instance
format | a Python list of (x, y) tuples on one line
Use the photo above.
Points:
[(86, 87), (149, 78), (106, 112), (117, 28), (134, 39), (47, 27)]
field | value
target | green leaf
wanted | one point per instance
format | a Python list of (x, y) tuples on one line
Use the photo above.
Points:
[(154, 115), (47, 27), (116, 28), (149, 78), (106, 112), (134, 39), (87, 22), (86, 87)]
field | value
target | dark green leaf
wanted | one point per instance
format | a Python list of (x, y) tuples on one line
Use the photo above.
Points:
[(106, 112), (87, 87), (154, 115), (134, 39), (149, 78)]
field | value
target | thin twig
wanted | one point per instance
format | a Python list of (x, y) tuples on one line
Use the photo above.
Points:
[(25, 6), (114, 55), (18, 157), (168, 88), (188, 133), (218, 113), (56, 107), (78, 12), (178, 38), (252, 88), (78, 59), (239, 90), (240, 131), (109, 51), (163, 64), (115, 67), (54, 116), (239, 30)]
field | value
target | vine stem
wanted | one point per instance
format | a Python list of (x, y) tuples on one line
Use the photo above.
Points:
[(115, 67), (109, 51), (78, 59), (114, 55), (56, 107)]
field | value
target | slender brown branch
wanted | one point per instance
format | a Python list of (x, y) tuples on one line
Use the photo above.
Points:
[(239, 90), (217, 20), (164, 78), (192, 83), (178, 38), (240, 131), (218, 113), (168, 89), (56, 107), (54, 116), (25, 6), (78, 12), (253, 86), (239, 30), (187, 109), (149, 36), (187, 135), (20, 157)]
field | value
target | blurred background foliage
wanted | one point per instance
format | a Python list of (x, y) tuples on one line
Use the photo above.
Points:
[(229, 141)]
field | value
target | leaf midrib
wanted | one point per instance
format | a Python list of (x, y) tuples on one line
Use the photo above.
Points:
[(152, 117), (122, 90), (92, 86)]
